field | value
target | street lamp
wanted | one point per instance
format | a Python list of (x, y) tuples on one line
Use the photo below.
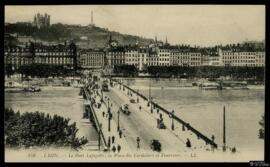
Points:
[(108, 104), (151, 106), (118, 126), (172, 119), (99, 136)]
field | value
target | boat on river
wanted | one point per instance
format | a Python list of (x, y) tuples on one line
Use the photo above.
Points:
[(32, 89), (209, 86)]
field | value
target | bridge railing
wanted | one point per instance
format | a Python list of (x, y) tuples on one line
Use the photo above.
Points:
[(198, 133), (95, 117)]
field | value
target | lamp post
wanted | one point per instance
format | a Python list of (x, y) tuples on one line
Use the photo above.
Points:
[(108, 104), (118, 126), (109, 119), (99, 136), (224, 129), (150, 98), (151, 106), (172, 119)]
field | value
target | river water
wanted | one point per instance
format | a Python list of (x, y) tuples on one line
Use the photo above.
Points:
[(63, 101), (204, 110)]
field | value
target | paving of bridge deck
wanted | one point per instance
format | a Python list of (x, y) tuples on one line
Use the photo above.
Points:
[(144, 125), (113, 131)]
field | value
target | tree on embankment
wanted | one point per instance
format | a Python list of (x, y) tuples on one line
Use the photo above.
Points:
[(37, 129), (262, 129)]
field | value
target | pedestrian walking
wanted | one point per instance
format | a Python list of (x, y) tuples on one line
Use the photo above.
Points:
[(140, 108), (109, 141), (113, 149), (188, 143), (188, 126), (160, 116), (103, 114), (113, 139), (118, 148), (183, 127), (138, 142), (120, 133), (158, 123), (213, 138)]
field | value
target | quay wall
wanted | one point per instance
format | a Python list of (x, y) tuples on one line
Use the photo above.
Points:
[(86, 93)]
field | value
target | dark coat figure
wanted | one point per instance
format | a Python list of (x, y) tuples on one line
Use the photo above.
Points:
[(188, 126), (120, 133), (118, 148), (213, 138), (138, 142), (113, 139), (113, 149), (183, 127), (160, 116), (188, 143), (109, 142), (140, 108), (137, 100), (103, 113)]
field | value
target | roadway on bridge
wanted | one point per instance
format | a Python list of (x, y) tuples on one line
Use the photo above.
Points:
[(142, 124)]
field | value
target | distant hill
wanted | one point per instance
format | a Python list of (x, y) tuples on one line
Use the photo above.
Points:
[(84, 36)]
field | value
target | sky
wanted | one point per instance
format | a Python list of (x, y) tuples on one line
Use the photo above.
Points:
[(201, 25)]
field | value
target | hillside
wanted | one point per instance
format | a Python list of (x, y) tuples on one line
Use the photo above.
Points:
[(84, 36)]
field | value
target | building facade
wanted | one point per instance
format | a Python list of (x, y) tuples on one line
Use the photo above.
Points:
[(242, 58), (16, 56), (91, 58), (115, 56), (132, 56), (164, 55)]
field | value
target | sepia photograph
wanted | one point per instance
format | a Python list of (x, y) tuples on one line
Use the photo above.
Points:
[(134, 83)]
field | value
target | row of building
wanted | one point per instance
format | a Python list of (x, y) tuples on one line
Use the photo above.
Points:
[(168, 55), (17, 56), (141, 57)]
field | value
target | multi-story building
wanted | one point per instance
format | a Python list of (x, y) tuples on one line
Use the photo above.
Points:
[(115, 56), (214, 60), (91, 58), (132, 56), (239, 57), (65, 55), (205, 59), (15, 56), (260, 59), (195, 58), (164, 54), (180, 58)]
